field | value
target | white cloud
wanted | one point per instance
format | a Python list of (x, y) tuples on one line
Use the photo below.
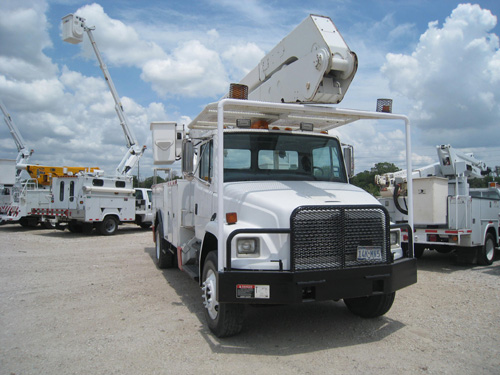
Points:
[(193, 70), (452, 79), (119, 43), (242, 58), (66, 117), (23, 37)]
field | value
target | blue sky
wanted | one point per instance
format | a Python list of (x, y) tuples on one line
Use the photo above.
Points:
[(438, 60)]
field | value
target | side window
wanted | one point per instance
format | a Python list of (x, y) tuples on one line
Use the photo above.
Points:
[(120, 184), (492, 195), (97, 182), (138, 194), (61, 191), (206, 163), (326, 163), (72, 191)]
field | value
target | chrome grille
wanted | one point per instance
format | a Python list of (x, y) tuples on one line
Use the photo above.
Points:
[(325, 237)]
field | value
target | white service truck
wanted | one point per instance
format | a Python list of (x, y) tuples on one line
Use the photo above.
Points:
[(448, 215), (265, 213), (18, 196), (82, 203), (89, 200)]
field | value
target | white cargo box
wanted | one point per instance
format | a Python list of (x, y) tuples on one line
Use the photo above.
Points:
[(430, 196), (7, 172), (164, 142)]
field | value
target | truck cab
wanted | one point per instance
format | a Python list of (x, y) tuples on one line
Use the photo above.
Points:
[(143, 207)]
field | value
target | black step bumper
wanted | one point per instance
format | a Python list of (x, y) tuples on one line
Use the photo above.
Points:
[(287, 287)]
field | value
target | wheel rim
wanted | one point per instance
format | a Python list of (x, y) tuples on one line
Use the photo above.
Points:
[(490, 250), (209, 300), (110, 226)]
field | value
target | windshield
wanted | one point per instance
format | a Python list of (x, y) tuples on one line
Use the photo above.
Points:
[(278, 156)]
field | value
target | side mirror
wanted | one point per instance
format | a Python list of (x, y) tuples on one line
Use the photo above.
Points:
[(187, 158), (349, 159)]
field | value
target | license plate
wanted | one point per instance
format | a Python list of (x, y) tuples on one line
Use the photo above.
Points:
[(369, 253)]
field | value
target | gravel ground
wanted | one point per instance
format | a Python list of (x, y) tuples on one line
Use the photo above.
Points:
[(78, 304)]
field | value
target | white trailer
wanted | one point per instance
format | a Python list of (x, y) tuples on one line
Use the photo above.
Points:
[(265, 213), (448, 215)]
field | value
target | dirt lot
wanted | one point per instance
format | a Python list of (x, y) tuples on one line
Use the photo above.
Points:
[(77, 304)]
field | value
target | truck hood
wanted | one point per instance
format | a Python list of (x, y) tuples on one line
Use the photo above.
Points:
[(270, 203)]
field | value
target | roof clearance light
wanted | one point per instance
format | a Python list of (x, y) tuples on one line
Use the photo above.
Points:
[(306, 126), (238, 91), (243, 123), (384, 105), (260, 124)]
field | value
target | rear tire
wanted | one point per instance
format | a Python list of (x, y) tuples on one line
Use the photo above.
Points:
[(487, 252), (28, 222), (108, 226), (372, 306), (223, 319)]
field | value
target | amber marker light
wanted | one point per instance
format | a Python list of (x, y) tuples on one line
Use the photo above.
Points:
[(231, 218)]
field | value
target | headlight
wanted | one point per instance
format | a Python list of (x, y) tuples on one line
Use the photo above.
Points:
[(247, 247), (394, 238)]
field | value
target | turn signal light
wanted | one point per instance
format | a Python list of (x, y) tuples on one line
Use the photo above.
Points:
[(231, 218)]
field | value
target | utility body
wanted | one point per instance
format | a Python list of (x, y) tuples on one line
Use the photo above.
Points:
[(448, 215), (265, 213), (86, 202)]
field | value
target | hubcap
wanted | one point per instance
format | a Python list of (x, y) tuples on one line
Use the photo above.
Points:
[(209, 300), (110, 226)]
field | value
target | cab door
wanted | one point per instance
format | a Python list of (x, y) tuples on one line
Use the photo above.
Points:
[(204, 206)]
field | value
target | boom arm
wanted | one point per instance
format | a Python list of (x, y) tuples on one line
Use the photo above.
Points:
[(73, 27), (452, 164), (23, 154), (313, 64)]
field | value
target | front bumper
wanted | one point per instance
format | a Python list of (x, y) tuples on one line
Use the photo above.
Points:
[(287, 287)]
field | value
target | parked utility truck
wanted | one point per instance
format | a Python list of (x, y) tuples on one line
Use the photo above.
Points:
[(94, 200), (21, 196), (265, 213), (448, 216)]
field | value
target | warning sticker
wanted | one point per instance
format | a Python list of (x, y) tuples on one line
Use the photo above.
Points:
[(252, 291)]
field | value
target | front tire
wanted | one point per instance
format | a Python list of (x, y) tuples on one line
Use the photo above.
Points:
[(487, 252), (372, 306), (224, 319)]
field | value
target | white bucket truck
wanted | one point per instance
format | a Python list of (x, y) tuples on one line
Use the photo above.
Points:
[(265, 213), (17, 195), (449, 216), (95, 200)]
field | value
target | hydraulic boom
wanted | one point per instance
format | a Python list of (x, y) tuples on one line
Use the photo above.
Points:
[(73, 28), (312, 64), (23, 153)]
